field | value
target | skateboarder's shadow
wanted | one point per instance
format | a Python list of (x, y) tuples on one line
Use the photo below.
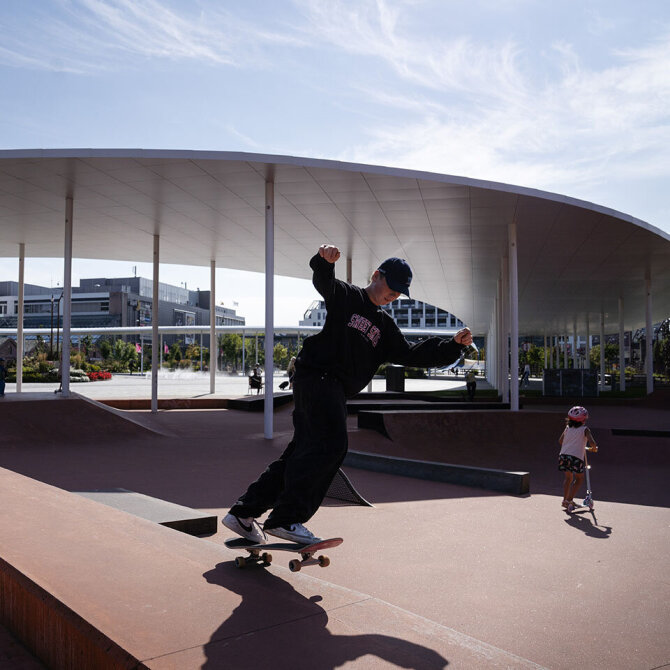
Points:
[(275, 626), (589, 526)]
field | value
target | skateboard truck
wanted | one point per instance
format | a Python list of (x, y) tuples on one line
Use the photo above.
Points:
[(308, 559), (257, 553), (255, 556)]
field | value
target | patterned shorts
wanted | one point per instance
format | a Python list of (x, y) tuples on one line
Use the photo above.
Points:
[(570, 463)]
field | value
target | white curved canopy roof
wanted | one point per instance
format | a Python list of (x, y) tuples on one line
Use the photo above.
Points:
[(574, 258)]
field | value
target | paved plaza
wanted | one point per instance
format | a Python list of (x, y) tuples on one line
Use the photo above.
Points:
[(186, 384), (499, 581)]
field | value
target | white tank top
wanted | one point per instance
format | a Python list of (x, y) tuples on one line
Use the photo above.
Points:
[(574, 442)]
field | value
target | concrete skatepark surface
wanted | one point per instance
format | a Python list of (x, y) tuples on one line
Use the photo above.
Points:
[(497, 581)]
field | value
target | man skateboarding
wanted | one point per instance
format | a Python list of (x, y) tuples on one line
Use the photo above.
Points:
[(333, 365)]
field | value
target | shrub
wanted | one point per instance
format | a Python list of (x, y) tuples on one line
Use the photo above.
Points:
[(99, 375)]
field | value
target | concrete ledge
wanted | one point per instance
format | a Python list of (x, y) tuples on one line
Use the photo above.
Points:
[(357, 406), (375, 419), (250, 403), (167, 403), (516, 483), (639, 432), (256, 403), (170, 515)]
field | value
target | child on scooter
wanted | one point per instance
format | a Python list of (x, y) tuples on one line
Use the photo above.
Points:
[(575, 440)]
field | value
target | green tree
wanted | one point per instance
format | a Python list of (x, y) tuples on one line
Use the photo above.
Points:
[(105, 349), (40, 345), (611, 354), (87, 344), (535, 357), (174, 354), (192, 352), (280, 356), (231, 348), (250, 351)]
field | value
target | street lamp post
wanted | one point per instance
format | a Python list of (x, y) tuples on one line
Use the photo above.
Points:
[(51, 337)]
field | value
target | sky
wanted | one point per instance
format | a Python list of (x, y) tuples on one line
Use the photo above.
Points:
[(571, 97)]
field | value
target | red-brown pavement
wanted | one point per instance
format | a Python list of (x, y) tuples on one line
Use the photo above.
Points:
[(434, 574)]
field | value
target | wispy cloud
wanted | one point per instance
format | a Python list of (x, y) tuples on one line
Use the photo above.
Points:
[(489, 114), (453, 102), (373, 28), (93, 35)]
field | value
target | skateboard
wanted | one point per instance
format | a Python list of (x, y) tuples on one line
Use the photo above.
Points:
[(258, 553)]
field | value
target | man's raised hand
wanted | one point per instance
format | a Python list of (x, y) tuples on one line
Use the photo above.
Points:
[(329, 252)]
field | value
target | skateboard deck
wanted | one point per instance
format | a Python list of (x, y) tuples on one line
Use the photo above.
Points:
[(258, 553)]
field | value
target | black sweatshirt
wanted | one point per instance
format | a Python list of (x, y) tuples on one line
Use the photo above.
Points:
[(359, 336)]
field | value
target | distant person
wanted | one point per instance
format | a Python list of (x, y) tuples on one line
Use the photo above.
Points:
[(575, 440), (471, 384), (290, 371), (256, 380), (3, 376), (333, 365), (525, 377)]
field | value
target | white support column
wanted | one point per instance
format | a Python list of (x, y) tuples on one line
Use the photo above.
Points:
[(566, 341), (269, 307), (213, 344), (493, 349), (20, 317), (622, 349), (67, 298), (574, 344), (587, 348), (602, 348), (491, 364), (514, 318), (649, 333), (504, 344), (155, 346)]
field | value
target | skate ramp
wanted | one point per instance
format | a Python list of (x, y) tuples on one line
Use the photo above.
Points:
[(50, 419), (627, 468), (137, 594)]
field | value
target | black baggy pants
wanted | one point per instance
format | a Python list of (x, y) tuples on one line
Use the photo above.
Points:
[(296, 483)]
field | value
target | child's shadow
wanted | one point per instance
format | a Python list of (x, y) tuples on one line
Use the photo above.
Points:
[(589, 527), (277, 627)]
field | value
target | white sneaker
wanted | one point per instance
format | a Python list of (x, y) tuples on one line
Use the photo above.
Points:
[(294, 532), (247, 528)]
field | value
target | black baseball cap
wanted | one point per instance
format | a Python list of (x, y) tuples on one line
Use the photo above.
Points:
[(398, 274)]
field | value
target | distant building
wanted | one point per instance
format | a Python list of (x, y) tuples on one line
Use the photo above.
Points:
[(104, 302), (407, 313)]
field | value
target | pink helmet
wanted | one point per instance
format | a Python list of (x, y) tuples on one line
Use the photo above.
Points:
[(578, 413)]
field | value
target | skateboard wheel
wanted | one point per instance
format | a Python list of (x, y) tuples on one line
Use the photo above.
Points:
[(240, 562), (294, 565), (324, 561), (267, 559)]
